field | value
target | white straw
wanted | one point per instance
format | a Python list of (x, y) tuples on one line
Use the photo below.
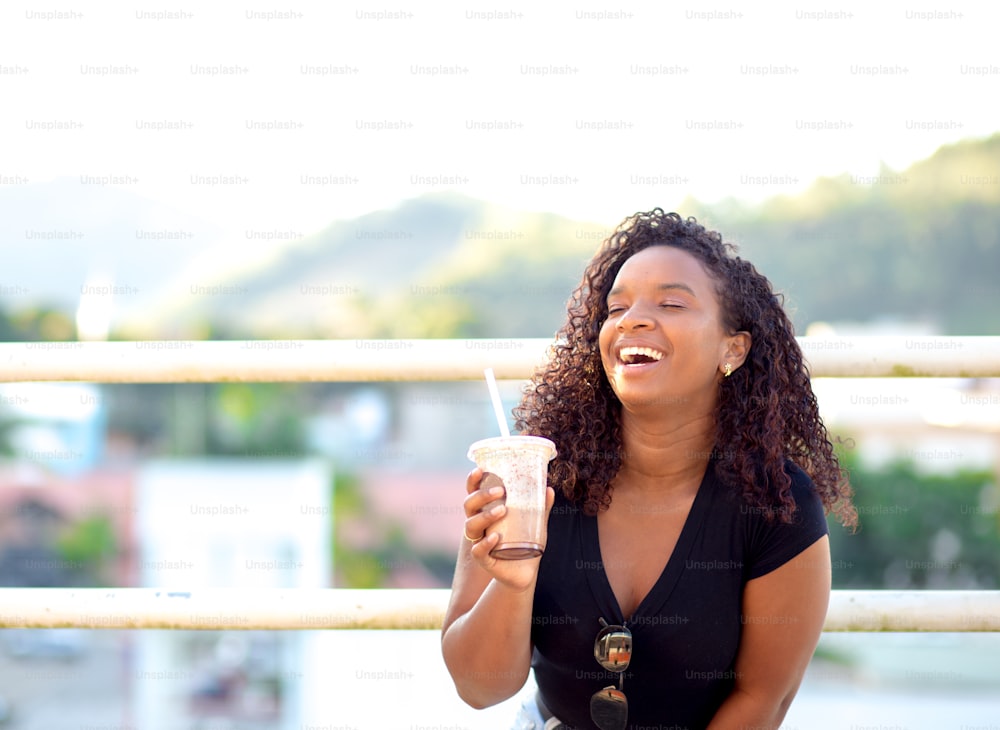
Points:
[(491, 381)]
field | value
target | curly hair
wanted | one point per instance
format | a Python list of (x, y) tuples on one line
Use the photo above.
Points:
[(767, 411)]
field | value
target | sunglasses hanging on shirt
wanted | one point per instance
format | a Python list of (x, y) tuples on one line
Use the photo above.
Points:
[(613, 651)]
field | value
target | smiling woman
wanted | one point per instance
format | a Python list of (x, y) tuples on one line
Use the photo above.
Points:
[(766, 409), (687, 553)]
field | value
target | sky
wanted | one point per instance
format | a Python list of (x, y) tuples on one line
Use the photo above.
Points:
[(282, 117)]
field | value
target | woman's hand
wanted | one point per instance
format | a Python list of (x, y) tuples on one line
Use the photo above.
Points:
[(483, 508), (486, 635)]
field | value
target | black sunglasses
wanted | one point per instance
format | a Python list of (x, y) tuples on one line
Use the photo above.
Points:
[(613, 651)]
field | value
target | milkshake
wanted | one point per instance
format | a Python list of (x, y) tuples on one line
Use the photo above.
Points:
[(519, 464)]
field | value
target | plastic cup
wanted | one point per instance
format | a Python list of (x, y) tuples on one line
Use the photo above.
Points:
[(520, 464)]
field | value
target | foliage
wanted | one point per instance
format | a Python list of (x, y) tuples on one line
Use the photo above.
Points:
[(36, 324), (247, 420), (355, 567), (368, 559), (88, 547), (919, 530), (255, 420)]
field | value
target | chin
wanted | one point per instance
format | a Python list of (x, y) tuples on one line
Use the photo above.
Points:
[(644, 401)]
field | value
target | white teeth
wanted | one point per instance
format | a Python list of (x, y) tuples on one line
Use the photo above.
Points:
[(630, 352)]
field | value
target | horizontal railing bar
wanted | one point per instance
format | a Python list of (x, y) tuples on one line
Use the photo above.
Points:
[(184, 361), (221, 608), (304, 609)]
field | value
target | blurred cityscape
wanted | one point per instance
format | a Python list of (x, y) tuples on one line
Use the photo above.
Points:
[(365, 490)]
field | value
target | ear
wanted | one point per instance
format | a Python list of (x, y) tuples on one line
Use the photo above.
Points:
[(736, 348)]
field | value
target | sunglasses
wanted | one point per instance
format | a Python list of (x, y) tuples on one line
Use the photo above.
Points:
[(613, 651)]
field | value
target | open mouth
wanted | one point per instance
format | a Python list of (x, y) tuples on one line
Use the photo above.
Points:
[(639, 355)]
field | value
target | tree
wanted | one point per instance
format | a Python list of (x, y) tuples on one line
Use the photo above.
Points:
[(919, 531)]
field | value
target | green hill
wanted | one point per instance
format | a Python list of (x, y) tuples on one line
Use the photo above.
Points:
[(920, 243), (440, 265)]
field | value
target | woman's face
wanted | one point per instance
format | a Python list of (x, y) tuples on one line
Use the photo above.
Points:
[(663, 342)]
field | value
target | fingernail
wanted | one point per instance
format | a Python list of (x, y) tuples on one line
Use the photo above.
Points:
[(498, 509), (496, 491)]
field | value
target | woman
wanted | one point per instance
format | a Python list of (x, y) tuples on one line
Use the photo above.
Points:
[(686, 575)]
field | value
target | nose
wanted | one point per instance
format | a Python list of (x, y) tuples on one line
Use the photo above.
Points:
[(635, 317)]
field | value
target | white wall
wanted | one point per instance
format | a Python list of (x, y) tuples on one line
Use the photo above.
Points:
[(219, 523)]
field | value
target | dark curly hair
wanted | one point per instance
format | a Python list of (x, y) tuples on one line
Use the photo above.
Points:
[(767, 411)]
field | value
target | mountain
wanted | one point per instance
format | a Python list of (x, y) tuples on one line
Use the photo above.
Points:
[(920, 244), (916, 244), (436, 266)]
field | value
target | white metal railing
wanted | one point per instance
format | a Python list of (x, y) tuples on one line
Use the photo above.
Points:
[(341, 608), (427, 360)]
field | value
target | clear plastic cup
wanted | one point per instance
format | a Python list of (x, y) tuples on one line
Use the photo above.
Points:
[(520, 464)]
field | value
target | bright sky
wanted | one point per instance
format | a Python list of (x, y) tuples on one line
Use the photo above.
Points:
[(334, 109)]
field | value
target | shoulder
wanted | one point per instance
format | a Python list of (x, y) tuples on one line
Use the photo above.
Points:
[(775, 539), (801, 490), (799, 476)]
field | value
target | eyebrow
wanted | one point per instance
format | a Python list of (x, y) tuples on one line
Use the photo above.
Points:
[(666, 286)]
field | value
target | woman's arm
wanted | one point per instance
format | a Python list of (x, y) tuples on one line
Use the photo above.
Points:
[(783, 615), (486, 636)]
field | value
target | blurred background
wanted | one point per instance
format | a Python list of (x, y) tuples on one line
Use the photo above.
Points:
[(239, 171)]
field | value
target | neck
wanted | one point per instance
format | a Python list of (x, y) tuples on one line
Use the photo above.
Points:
[(665, 456)]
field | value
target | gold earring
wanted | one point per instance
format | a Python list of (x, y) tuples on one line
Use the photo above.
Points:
[(728, 370)]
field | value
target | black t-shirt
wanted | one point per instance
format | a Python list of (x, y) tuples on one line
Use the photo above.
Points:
[(686, 631)]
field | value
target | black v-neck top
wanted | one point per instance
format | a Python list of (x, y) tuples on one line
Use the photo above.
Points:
[(686, 631)]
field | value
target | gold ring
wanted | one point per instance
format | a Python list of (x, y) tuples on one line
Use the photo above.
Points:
[(473, 541)]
